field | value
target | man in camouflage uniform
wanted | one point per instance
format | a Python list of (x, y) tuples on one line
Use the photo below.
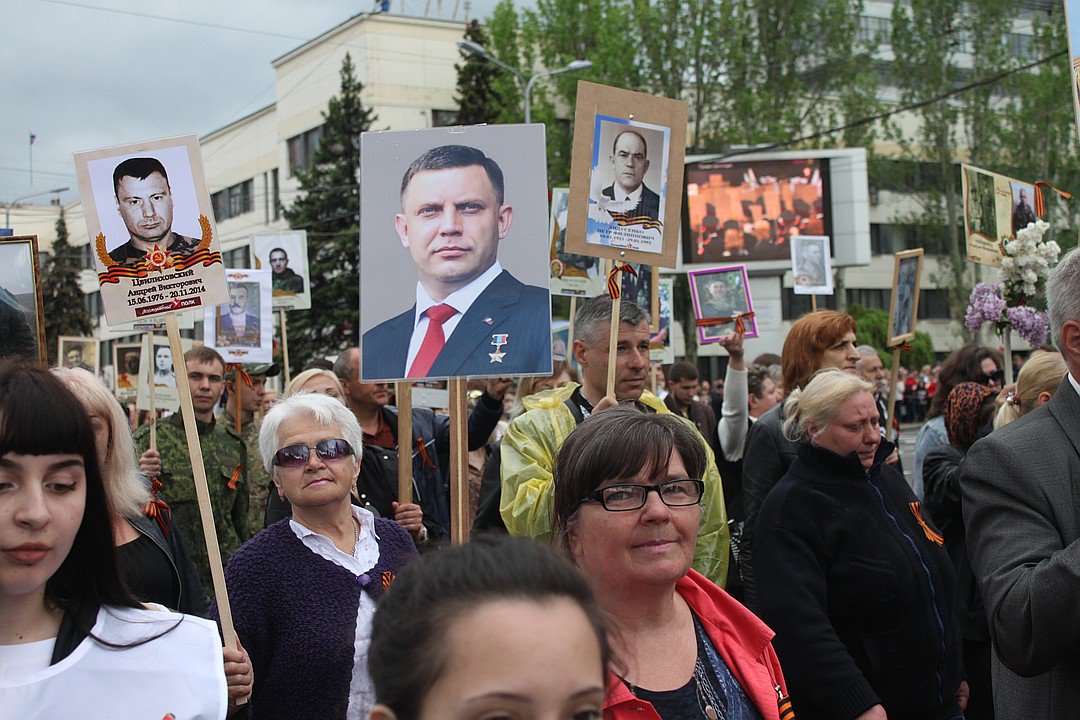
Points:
[(250, 389), (224, 457)]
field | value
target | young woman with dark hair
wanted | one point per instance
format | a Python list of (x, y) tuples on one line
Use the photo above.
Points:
[(73, 641)]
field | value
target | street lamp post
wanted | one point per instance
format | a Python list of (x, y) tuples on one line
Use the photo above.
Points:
[(16, 201), (526, 84)]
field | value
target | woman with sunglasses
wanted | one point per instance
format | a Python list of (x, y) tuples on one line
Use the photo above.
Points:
[(303, 591), (627, 508)]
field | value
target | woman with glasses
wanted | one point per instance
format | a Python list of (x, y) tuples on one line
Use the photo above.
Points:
[(627, 508), (852, 574), (303, 591)]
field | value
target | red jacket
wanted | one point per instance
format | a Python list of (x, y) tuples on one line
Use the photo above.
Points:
[(743, 641)]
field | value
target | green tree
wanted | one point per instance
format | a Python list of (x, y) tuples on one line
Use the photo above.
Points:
[(872, 328), (62, 299), (329, 209), (476, 97)]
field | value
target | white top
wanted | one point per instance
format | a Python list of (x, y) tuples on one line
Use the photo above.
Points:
[(179, 674), (461, 300), (365, 556), (734, 415), (1076, 385), (634, 196), (25, 659)]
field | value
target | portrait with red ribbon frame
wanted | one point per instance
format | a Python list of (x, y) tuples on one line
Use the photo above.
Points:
[(722, 302)]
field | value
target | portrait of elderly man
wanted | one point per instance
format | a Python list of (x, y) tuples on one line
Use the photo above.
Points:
[(629, 163), (471, 316), (236, 326), (285, 279), (144, 200), (811, 265)]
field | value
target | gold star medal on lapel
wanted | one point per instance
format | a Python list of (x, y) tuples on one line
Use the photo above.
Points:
[(498, 340)]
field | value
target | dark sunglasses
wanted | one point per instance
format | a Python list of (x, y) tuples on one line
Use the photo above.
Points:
[(293, 456), (998, 376)]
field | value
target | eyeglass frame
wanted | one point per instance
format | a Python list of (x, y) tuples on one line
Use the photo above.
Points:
[(310, 448), (597, 495)]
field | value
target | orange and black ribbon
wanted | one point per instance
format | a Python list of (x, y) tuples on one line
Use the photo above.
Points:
[(903, 347), (425, 459), (613, 279), (236, 473), (740, 326), (927, 530), (156, 508), (1040, 204)]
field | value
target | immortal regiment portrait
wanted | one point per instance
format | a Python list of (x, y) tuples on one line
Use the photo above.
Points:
[(571, 274), (626, 176), (811, 265), (641, 287), (454, 255), (78, 352), (22, 321), (285, 255), (126, 370), (661, 348), (722, 302), (995, 207), (157, 374), (151, 226), (241, 330), (1072, 22), (904, 308)]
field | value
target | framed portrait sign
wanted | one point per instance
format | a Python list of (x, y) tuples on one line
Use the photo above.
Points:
[(22, 319), (157, 374), (125, 361), (571, 275), (811, 264), (995, 207), (661, 349), (1072, 24), (904, 306), (151, 228), (723, 294), (242, 329), (285, 255), (454, 253), (641, 287), (626, 175), (80, 352)]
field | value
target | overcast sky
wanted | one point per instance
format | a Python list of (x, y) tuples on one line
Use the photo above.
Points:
[(86, 74)]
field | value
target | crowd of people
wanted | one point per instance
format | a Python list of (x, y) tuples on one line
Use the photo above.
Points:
[(750, 547)]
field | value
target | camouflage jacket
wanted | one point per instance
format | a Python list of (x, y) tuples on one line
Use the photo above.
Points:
[(259, 484), (225, 460)]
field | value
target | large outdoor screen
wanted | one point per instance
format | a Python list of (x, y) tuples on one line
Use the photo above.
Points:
[(748, 210)]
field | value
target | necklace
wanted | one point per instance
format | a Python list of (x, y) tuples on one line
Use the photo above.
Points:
[(356, 530), (711, 704)]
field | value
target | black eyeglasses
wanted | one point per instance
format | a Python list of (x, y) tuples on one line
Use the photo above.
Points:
[(292, 456), (674, 493)]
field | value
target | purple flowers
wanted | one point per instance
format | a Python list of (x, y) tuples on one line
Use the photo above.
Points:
[(986, 304), (1029, 323)]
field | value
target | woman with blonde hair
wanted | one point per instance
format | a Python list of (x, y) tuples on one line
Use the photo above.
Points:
[(852, 576), (1035, 385), (316, 380)]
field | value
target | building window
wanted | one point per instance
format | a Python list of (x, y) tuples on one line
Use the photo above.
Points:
[(236, 258), (233, 201), (275, 195), (934, 305), (793, 307), (869, 297), (302, 149), (93, 305), (443, 118), (874, 30)]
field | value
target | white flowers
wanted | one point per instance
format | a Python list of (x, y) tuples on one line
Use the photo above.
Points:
[(1027, 260)]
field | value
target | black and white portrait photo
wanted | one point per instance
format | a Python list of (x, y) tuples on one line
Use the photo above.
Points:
[(242, 329), (905, 296), (811, 265)]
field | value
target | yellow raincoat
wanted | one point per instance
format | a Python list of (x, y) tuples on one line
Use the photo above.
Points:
[(529, 447)]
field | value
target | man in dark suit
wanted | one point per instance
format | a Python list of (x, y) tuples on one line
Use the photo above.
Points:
[(630, 162), (236, 326), (471, 317), (1019, 487)]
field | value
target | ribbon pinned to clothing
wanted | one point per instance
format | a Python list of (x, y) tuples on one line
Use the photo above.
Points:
[(1040, 204), (157, 509), (421, 450), (738, 319), (930, 534), (236, 473), (613, 281)]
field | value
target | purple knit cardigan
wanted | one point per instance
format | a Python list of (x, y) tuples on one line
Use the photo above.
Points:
[(295, 614)]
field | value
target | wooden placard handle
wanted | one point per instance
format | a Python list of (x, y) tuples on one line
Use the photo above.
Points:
[(813, 303), (284, 345), (890, 432), (150, 382), (570, 331), (206, 512), (459, 462), (613, 345), (403, 391)]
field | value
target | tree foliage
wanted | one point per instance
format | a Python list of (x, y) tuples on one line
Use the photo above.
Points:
[(61, 298), (329, 209), (476, 98), (872, 328)]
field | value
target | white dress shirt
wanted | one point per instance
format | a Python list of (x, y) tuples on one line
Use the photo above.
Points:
[(461, 300), (1076, 385), (364, 557), (634, 197)]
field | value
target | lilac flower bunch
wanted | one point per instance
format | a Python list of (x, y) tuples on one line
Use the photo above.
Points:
[(1031, 324), (984, 305)]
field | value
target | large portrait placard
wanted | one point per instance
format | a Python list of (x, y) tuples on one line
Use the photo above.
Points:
[(454, 253), (995, 207), (285, 254), (723, 294), (626, 175), (1072, 24), (572, 275), (151, 228), (904, 305), (22, 319), (242, 329)]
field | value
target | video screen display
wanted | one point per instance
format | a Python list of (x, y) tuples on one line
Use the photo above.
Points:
[(748, 210)]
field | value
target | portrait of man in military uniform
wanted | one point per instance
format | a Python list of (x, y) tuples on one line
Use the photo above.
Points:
[(722, 293), (285, 279), (145, 202)]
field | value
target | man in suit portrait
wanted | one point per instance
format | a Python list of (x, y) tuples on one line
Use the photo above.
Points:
[(1022, 518), (144, 200), (470, 317), (236, 326), (630, 162)]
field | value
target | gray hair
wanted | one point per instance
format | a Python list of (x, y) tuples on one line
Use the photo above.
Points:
[(593, 319), (324, 409), (817, 402), (343, 366), (866, 350), (1063, 295)]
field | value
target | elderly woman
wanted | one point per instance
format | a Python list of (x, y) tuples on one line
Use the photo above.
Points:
[(153, 558), (627, 508), (316, 380), (303, 591), (851, 574)]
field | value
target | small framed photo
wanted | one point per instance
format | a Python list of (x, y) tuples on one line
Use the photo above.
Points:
[(78, 352), (904, 307), (661, 349), (125, 359), (285, 254), (811, 264), (626, 175), (22, 319), (722, 294), (571, 275), (641, 287), (242, 329), (157, 374)]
